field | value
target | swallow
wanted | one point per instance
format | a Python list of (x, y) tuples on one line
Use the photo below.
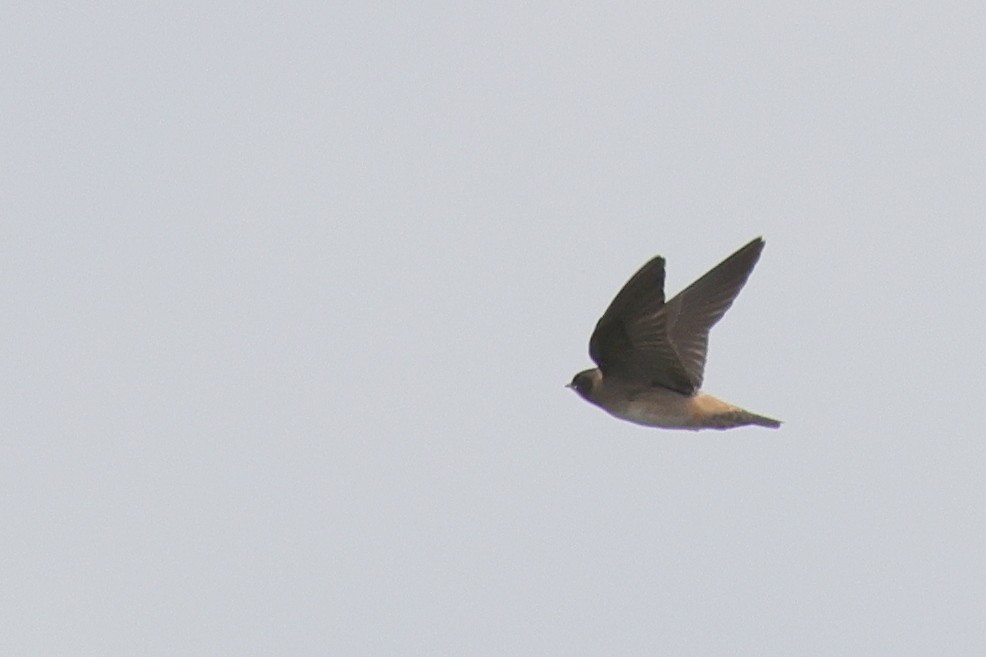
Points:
[(651, 354)]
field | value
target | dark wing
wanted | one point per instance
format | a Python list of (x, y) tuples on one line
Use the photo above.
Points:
[(631, 339), (697, 308)]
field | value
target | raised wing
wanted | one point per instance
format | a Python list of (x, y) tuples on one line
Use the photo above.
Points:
[(631, 339), (696, 309)]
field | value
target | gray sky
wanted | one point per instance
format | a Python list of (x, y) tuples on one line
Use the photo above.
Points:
[(290, 294)]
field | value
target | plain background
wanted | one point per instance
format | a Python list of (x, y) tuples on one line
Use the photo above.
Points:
[(290, 293)]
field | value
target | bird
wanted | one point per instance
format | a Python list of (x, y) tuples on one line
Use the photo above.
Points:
[(651, 354)]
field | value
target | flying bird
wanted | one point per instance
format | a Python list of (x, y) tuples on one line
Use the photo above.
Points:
[(651, 354)]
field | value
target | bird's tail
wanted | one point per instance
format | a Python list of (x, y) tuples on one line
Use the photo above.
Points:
[(740, 418)]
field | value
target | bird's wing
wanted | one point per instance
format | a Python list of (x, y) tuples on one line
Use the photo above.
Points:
[(693, 311), (631, 339)]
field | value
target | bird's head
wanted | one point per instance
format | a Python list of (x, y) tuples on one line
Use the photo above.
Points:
[(584, 381)]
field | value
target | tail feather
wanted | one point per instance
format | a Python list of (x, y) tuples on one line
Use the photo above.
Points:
[(764, 421), (740, 418)]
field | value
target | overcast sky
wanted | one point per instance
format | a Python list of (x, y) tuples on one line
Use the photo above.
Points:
[(290, 293)]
